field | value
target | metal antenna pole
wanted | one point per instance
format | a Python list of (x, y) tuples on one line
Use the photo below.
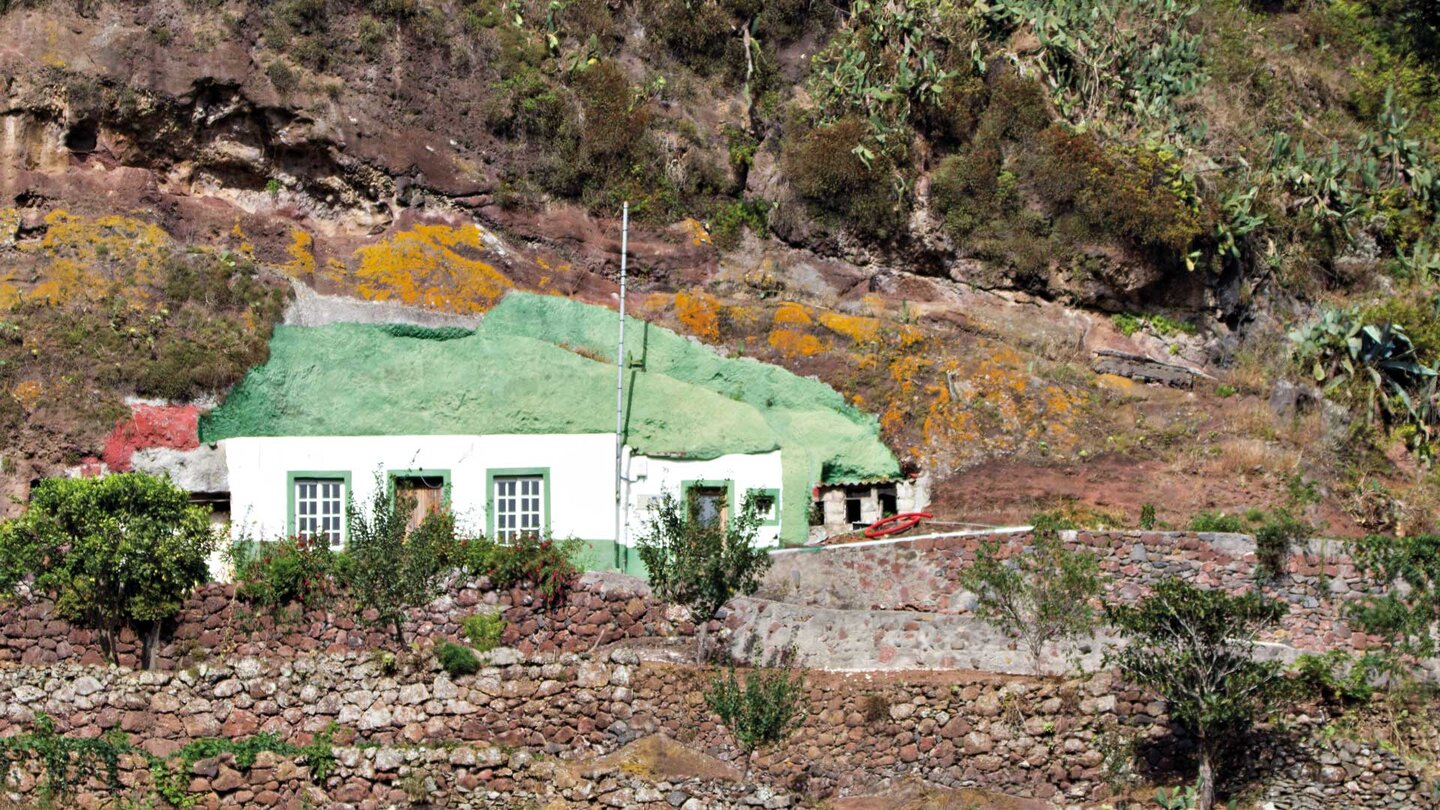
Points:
[(620, 391)]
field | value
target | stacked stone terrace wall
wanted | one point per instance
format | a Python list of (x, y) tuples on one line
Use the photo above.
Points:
[(229, 673), (920, 576), (1044, 739), (603, 608)]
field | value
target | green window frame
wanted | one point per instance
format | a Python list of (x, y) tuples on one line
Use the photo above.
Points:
[(774, 496), (727, 484), (499, 475), (295, 477)]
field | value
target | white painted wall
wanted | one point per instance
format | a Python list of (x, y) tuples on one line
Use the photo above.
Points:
[(582, 474), (649, 477)]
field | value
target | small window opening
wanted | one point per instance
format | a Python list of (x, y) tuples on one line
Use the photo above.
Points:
[(765, 507), (853, 501), (320, 509), (519, 507), (889, 504), (82, 137), (709, 506)]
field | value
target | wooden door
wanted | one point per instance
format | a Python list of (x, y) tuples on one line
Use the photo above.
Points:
[(427, 491)]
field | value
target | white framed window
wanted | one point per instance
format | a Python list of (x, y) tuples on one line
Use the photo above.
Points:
[(519, 506), (320, 509)]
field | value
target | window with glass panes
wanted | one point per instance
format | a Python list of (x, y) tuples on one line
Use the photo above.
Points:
[(519, 506), (320, 509)]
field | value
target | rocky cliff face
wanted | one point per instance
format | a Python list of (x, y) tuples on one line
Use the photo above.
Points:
[(950, 260)]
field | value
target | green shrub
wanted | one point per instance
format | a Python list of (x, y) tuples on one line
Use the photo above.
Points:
[(545, 565), (763, 711), (483, 630), (391, 568), (114, 552), (1336, 677), (615, 130), (732, 218), (1147, 516), (1408, 617), (1216, 522), (696, 31), (1275, 539), (1127, 324), (1132, 193), (701, 566), (1052, 522), (826, 168), (542, 563), (457, 660), (282, 77), (291, 571), (373, 35)]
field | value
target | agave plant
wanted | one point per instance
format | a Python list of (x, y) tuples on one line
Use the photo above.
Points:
[(1381, 358)]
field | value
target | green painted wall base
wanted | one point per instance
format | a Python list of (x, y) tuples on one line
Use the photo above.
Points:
[(600, 555)]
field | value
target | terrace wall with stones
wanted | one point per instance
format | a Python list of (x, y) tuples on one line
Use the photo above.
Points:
[(603, 608), (885, 606), (474, 739), (919, 576)]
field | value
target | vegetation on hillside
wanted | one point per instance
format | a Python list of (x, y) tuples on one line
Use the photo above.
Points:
[(1213, 173), (106, 307)]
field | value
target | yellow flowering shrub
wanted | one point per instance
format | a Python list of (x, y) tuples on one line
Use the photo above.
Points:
[(699, 314), (434, 266)]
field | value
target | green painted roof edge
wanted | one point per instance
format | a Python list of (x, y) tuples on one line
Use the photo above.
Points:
[(739, 405)]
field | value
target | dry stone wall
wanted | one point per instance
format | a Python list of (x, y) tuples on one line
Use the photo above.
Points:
[(766, 632), (920, 576), (603, 608), (462, 777), (563, 692), (478, 738)]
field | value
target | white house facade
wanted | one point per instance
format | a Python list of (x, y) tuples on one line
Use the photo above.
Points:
[(556, 485), (511, 426)]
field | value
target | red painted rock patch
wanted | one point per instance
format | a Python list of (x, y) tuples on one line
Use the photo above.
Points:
[(172, 426)]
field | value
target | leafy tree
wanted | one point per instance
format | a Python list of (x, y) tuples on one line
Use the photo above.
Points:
[(699, 565), (1405, 609), (761, 712), (123, 550), (391, 567), (1195, 648), (1041, 596)]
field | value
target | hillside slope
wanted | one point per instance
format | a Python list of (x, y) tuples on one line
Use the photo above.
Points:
[(944, 210)]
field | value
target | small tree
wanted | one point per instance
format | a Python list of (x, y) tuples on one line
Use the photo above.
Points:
[(391, 567), (1195, 648), (122, 550), (1040, 596), (1405, 605), (765, 710), (702, 566)]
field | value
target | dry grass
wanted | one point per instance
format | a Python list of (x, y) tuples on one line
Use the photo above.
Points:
[(1245, 457), (1255, 368), (1252, 419)]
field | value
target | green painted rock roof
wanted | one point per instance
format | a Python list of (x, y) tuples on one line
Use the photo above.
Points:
[(544, 364)]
